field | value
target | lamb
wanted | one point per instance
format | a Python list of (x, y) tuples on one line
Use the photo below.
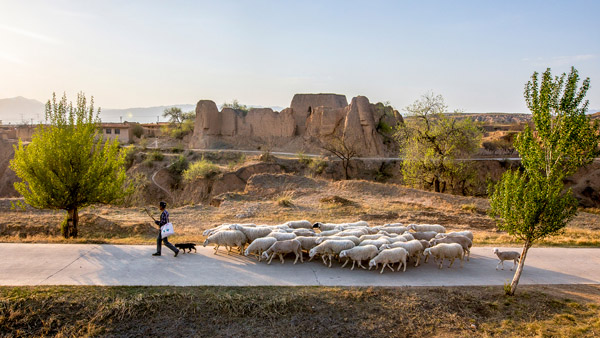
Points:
[(259, 245), (390, 256), (330, 248), (304, 232), (377, 242), (465, 242), (227, 238), (414, 249), (507, 256), (304, 224), (465, 233), (252, 233), (426, 227), (282, 236), (282, 247), (446, 250), (426, 235), (359, 254), (354, 239)]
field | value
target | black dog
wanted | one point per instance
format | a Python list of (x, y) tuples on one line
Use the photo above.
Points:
[(184, 246)]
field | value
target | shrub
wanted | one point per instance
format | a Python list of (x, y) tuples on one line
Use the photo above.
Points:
[(137, 130), (156, 155), (317, 165), (130, 152), (178, 166), (286, 199), (200, 169), (302, 158)]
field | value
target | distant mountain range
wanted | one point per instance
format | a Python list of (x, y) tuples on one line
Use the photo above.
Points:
[(18, 110)]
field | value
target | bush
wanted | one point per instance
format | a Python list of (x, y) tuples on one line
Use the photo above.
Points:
[(200, 169), (317, 166), (130, 152), (156, 155), (137, 130), (303, 158), (286, 199), (178, 166)]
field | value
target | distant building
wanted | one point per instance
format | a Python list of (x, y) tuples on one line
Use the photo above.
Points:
[(122, 131)]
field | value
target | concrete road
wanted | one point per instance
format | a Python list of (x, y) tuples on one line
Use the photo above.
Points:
[(85, 264)]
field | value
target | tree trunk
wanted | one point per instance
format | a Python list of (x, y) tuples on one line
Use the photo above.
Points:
[(436, 184), (515, 281), (70, 228), (346, 164)]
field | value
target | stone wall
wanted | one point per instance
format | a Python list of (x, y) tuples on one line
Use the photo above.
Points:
[(309, 121)]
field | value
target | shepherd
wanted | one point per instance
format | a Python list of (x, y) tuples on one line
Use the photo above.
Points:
[(164, 219)]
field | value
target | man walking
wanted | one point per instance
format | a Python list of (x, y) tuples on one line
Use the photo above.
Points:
[(164, 219)]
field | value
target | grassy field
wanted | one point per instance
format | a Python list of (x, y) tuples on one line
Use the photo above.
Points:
[(536, 311)]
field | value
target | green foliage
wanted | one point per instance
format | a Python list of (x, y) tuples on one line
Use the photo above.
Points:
[(533, 204), (182, 123), (130, 152), (177, 167), (19, 206), (384, 128), (302, 158), (431, 144), (156, 155), (200, 169), (137, 130), (317, 165), (237, 106), (68, 165), (138, 184)]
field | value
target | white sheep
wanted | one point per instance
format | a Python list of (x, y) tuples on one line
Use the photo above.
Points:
[(507, 256), (259, 245), (374, 236), (377, 242), (326, 226), (465, 233), (446, 250), (464, 241), (227, 238), (329, 232), (354, 239), (282, 236), (390, 256), (304, 224), (408, 236), (397, 239), (414, 249), (307, 243), (356, 233), (252, 233), (426, 227), (426, 235), (359, 254), (394, 230), (330, 248), (283, 247), (393, 225), (224, 226), (304, 232)]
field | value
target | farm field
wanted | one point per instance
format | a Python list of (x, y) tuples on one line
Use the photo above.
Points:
[(546, 310)]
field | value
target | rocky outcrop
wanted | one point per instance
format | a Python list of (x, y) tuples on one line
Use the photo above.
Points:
[(310, 120)]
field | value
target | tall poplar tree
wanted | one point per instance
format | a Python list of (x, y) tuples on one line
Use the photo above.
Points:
[(533, 203), (68, 165)]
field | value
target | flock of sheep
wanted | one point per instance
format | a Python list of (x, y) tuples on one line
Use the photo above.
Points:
[(358, 242)]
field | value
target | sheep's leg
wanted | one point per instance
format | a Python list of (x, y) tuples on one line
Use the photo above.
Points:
[(353, 262), (270, 259), (441, 263), (330, 259), (360, 264), (497, 265), (514, 264), (451, 262), (418, 259), (502, 264), (468, 255), (324, 259), (347, 263), (296, 260), (216, 248), (281, 258), (403, 263), (390, 266), (383, 268), (301, 256), (461, 261)]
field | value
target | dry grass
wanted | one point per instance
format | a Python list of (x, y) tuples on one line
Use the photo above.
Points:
[(571, 237), (567, 311)]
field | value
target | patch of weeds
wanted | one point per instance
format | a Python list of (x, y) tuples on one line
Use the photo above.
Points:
[(317, 165), (285, 199), (200, 169), (19, 206), (469, 207), (302, 158), (156, 155)]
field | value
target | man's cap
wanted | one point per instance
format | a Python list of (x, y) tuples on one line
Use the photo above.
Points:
[(163, 204)]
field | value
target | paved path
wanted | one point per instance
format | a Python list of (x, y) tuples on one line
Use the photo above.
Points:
[(85, 264)]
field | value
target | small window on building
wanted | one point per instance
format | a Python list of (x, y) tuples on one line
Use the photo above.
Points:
[(117, 131), (108, 130)]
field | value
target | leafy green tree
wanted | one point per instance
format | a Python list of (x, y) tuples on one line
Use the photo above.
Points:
[(431, 145), (533, 203), (175, 115), (181, 123), (237, 106), (68, 165)]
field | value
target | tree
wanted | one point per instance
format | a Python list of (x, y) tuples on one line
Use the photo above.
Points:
[(532, 204), (175, 115), (237, 106), (68, 165), (342, 148), (432, 146)]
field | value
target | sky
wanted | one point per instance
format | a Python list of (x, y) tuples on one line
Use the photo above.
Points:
[(477, 54)]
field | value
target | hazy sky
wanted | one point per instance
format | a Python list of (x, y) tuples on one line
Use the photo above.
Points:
[(477, 54)]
